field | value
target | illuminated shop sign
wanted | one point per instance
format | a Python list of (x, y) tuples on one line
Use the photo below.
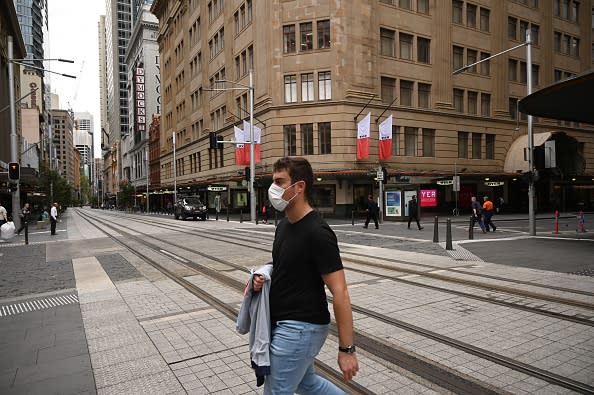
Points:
[(428, 198)]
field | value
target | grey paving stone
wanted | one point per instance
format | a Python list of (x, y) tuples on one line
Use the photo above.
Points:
[(118, 268), (158, 383)]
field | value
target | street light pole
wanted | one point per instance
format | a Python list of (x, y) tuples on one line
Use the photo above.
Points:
[(174, 172), (16, 203), (531, 193), (252, 156), (147, 179)]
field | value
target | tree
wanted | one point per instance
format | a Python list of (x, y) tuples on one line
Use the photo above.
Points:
[(126, 194), (55, 187), (85, 189)]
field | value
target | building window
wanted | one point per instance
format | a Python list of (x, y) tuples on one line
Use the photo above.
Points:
[(458, 57), (470, 15), (410, 141), (457, 11), (428, 142), (459, 100), (406, 93), (306, 31), (395, 140), (323, 34), (485, 67), (406, 46), (289, 38), (512, 70), (325, 138), (534, 33), (472, 102), (490, 146), (406, 4), (290, 136), (324, 85), (471, 57), (511, 28), (462, 144), (524, 26), (388, 89), (307, 87), (290, 89), (513, 108), (387, 42), (535, 75), (423, 6), (424, 95), (575, 47), (477, 140), (485, 104), (485, 15), (423, 50), (307, 139)]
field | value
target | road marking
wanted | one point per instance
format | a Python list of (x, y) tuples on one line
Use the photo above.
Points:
[(37, 304)]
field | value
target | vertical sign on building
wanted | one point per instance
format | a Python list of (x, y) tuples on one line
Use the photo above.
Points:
[(139, 104)]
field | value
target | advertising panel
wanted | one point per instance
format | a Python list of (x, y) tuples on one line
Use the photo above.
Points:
[(428, 198), (393, 204)]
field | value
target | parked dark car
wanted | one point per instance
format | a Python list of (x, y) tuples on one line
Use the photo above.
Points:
[(190, 207)]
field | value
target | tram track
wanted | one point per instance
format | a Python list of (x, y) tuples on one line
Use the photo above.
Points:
[(586, 318), (436, 374)]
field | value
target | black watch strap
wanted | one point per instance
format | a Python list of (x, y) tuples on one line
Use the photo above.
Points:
[(348, 349)]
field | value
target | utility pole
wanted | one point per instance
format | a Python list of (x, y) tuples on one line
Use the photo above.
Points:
[(14, 142)]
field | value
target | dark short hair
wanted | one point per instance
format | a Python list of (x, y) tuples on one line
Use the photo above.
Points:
[(299, 169)]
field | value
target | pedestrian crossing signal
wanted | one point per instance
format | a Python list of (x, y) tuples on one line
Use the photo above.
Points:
[(14, 171)]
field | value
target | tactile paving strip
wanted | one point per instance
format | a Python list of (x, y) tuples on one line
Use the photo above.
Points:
[(37, 304)]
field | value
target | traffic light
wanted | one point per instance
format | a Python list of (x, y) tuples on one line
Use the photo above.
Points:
[(14, 171), (386, 175), (246, 173), (12, 187), (214, 139)]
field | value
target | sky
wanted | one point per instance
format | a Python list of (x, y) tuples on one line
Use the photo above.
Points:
[(72, 29)]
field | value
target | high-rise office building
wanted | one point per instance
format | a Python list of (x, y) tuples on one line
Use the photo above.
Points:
[(32, 15)]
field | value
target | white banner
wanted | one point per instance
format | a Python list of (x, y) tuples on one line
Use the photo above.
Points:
[(363, 128), (385, 129)]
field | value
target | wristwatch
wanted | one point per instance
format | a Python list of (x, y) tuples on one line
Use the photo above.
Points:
[(348, 349)]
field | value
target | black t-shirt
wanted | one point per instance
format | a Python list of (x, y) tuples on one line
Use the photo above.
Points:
[(302, 252)]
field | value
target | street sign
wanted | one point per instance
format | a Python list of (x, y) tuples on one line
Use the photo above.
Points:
[(380, 175), (456, 182)]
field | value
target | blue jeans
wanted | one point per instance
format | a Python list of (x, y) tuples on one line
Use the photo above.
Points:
[(293, 348)]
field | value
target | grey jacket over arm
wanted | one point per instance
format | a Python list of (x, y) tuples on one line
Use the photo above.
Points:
[(254, 318)]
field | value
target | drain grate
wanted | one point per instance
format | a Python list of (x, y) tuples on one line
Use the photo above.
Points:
[(37, 304)]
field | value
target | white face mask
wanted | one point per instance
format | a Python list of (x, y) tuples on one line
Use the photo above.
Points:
[(275, 195)]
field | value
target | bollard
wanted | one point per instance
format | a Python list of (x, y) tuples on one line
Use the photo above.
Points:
[(227, 213), (449, 235), (436, 230), (581, 222), (240, 216), (26, 232), (556, 222), (353, 217), (471, 229), (217, 216)]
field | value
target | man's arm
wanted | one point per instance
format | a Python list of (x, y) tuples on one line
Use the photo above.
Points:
[(343, 314)]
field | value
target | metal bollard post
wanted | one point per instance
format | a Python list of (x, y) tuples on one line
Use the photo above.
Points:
[(240, 216), (353, 217), (436, 230), (556, 222), (26, 232), (227, 213), (217, 216), (449, 234), (471, 229)]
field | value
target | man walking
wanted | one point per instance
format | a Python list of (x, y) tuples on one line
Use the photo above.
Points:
[(25, 212), (3, 215), (413, 212), (488, 214), (477, 215), (305, 260), (54, 218), (372, 212)]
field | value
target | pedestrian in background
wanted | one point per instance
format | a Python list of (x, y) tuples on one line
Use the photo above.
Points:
[(305, 258), (3, 215), (477, 213), (25, 213), (372, 212), (54, 218), (413, 212), (488, 214)]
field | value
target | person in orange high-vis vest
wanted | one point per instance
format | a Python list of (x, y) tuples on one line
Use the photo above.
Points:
[(488, 214)]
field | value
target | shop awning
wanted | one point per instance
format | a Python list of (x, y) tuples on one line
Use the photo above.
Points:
[(568, 100), (514, 161)]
